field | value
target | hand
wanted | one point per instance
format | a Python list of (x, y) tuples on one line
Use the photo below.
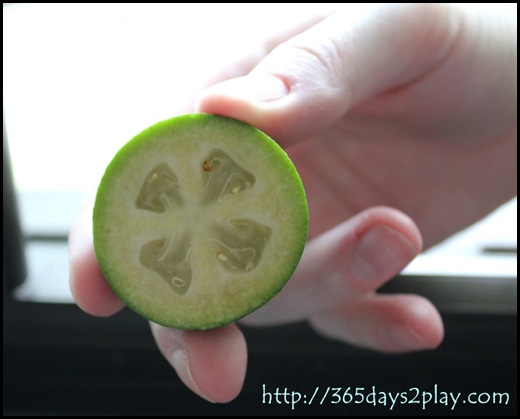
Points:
[(401, 120)]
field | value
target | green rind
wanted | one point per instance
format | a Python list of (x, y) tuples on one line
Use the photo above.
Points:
[(157, 131)]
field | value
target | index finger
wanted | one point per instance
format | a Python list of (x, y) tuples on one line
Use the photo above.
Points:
[(88, 285)]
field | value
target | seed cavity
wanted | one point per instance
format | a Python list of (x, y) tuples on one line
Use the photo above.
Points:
[(223, 177), (160, 190), (239, 244), (170, 258)]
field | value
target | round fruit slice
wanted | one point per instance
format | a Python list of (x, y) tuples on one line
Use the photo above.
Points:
[(198, 221)]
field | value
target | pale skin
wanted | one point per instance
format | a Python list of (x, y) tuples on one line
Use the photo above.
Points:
[(401, 120)]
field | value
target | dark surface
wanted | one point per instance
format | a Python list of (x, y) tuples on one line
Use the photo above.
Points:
[(60, 361)]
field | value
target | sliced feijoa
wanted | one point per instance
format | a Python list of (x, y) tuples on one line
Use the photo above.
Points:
[(198, 221)]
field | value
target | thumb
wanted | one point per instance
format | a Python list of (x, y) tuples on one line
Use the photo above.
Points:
[(309, 81)]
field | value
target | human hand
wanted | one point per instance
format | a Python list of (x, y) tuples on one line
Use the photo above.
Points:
[(401, 120)]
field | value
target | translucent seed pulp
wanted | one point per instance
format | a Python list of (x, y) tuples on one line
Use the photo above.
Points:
[(238, 243)]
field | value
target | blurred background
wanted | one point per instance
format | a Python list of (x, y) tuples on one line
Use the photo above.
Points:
[(79, 80)]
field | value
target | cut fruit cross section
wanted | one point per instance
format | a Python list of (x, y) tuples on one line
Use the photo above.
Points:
[(198, 221)]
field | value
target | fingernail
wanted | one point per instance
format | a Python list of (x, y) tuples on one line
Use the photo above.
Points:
[(180, 361), (256, 87), (381, 253)]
